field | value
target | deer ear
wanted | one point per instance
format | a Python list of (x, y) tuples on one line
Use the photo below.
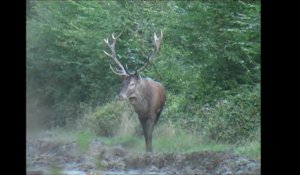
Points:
[(137, 76)]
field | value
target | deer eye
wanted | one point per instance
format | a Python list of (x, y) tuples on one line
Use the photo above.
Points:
[(131, 84)]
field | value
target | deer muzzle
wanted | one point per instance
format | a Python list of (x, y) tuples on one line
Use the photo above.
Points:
[(122, 96)]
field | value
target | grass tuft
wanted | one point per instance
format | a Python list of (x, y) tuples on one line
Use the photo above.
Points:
[(83, 140)]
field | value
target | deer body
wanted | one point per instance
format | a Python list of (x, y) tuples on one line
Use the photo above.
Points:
[(145, 95), (147, 98)]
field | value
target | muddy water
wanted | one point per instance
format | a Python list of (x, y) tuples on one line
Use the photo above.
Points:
[(47, 156)]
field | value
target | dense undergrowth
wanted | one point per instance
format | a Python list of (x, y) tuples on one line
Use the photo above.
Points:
[(235, 119)]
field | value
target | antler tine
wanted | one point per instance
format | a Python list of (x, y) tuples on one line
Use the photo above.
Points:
[(113, 35), (157, 41), (117, 71), (113, 55), (107, 53), (130, 73)]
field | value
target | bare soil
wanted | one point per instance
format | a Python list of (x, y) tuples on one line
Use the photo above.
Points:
[(49, 156)]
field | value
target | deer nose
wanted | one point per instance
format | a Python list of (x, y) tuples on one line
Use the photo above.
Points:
[(121, 97)]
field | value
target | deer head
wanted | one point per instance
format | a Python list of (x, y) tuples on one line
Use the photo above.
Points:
[(130, 80)]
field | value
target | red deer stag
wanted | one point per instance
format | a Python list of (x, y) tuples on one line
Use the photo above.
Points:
[(146, 95)]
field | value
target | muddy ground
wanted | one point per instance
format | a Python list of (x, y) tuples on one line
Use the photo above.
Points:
[(49, 156)]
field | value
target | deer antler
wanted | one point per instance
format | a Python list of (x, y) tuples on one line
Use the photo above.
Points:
[(157, 41), (121, 70)]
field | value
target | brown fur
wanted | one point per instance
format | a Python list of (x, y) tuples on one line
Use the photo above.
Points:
[(148, 98)]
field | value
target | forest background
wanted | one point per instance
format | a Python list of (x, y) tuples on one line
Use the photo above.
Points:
[(209, 63)]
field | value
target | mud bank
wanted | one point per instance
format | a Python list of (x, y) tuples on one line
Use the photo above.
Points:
[(45, 156)]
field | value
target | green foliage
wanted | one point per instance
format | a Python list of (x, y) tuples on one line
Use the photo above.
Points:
[(55, 171), (83, 141), (235, 119), (128, 142), (209, 63), (107, 120), (177, 142), (250, 149), (63, 65)]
